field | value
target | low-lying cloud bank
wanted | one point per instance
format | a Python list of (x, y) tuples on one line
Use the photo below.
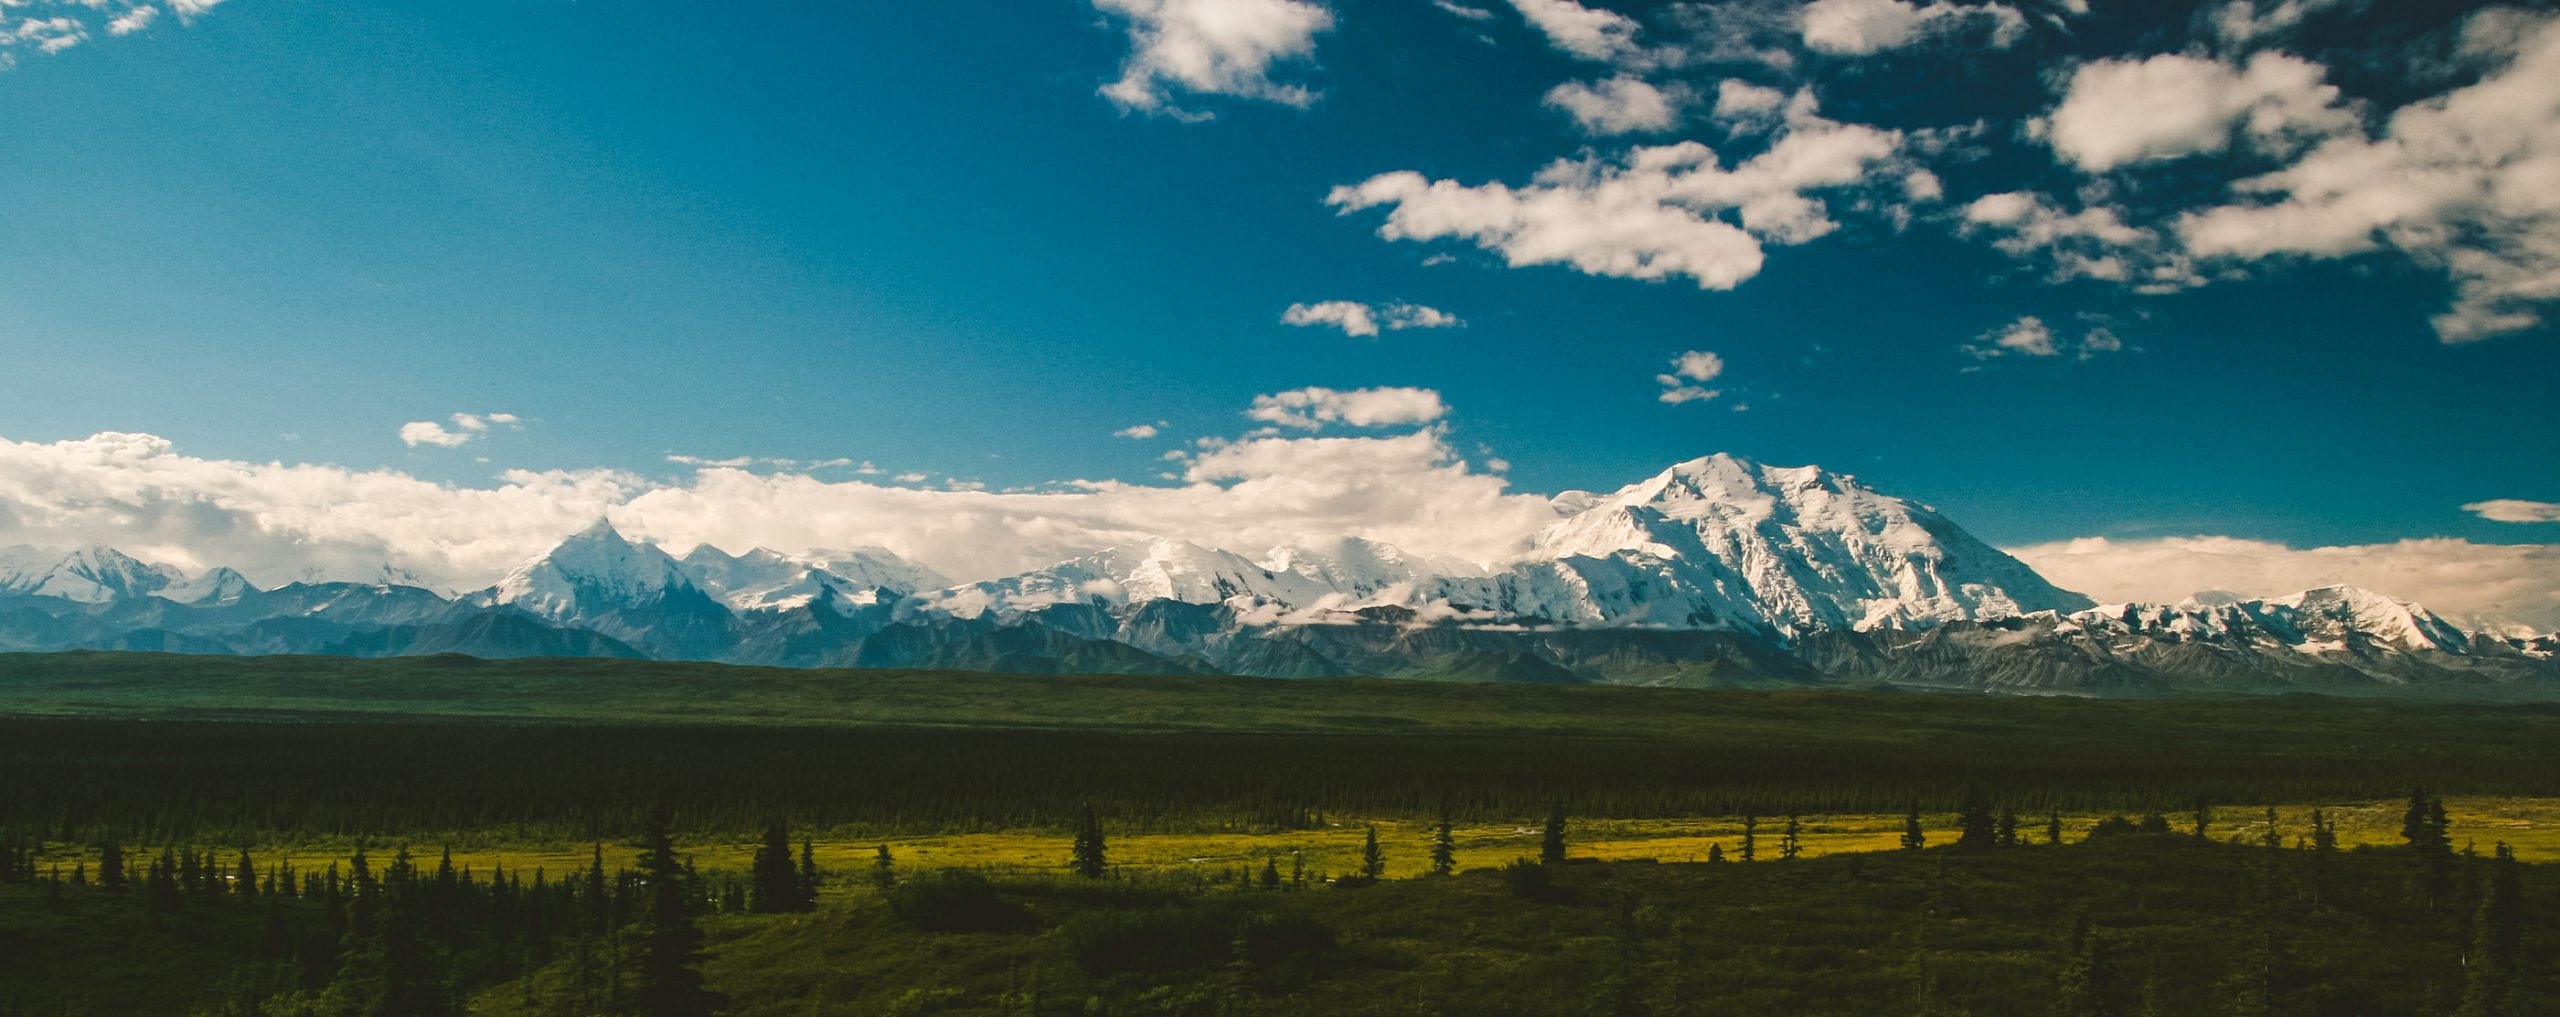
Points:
[(2477, 584)]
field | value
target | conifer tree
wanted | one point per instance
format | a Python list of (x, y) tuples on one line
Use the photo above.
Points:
[(1975, 825), (2008, 827), (2324, 834), (1090, 859), (1373, 860), (670, 947), (1444, 847), (1271, 873), (773, 886), (2053, 828), (2273, 838), (244, 876), (1715, 853), (1912, 838), (2489, 966), (808, 878), (1551, 840), (884, 870), (1750, 836), (111, 867), (2203, 817), (1791, 842), (162, 882), (2075, 982)]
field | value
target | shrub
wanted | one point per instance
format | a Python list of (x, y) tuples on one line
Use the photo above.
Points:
[(1151, 939), (955, 900)]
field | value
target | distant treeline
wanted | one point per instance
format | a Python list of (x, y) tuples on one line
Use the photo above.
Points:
[(159, 782)]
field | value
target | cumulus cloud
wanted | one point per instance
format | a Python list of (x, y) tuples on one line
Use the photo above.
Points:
[(51, 26), (2474, 584), (1363, 320), (1688, 370), (2122, 112), (467, 427), (1656, 213), (1314, 407), (281, 522), (1140, 432), (2467, 183), (1624, 104), (1864, 27), (2029, 336), (1212, 47), (2096, 242), (2513, 510), (1587, 32)]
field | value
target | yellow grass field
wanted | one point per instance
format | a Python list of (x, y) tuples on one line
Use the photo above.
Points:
[(2530, 825)]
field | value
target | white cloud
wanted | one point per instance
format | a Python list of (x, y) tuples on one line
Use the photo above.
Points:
[(1586, 32), (1624, 104), (2475, 584), (2240, 23), (2094, 243), (132, 21), (1314, 407), (1655, 213), (278, 522), (1362, 320), (1212, 47), (2513, 510), (1864, 27), (2029, 336), (1139, 432), (2122, 112), (1688, 367), (51, 26), (2467, 183), (1463, 11), (466, 428)]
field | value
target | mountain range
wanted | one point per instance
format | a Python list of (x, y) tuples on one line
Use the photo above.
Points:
[(1716, 571)]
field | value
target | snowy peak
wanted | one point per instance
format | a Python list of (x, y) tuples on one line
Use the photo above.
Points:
[(1358, 567), (95, 574), (763, 578), (219, 586), (1803, 547), (1127, 575), (593, 571), (2335, 613)]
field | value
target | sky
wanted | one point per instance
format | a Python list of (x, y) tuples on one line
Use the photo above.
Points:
[(2240, 295)]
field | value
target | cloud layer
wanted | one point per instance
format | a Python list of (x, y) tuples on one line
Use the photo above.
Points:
[(47, 27), (1211, 48), (2466, 582)]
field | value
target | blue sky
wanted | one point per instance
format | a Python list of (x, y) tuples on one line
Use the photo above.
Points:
[(929, 238)]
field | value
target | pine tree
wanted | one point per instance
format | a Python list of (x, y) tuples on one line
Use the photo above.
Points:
[(670, 946), (111, 867), (2489, 967), (2075, 983), (1791, 842), (1975, 825), (884, 870), (2008, 827), (2204, 817), (1551, 840), (1373, 860), (1090, 859), (244, 876), (773, 886), (1271, 873), (1715, 853), (2053, 828), (808, 881), (162, 882), (1444, 848), (1750, 836), (1912, 838), (2273, 838), (2324, 834)]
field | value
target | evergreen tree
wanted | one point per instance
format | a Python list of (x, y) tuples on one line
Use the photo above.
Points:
[(670, 947), (1715, 853), (1373, 860), (773, 886), (2076, 981), (1444, 848), (1271, 873), (2008, 827), (807, 884), (2053, 828), (2324, 834), (111, 867), (2489, 967), (2203, 817), (1976, 827), (1791, 842), (1551, 840), (244, 876), (161, 883), (1912, 838), (1089, 859), (2273, 838), (884, 870), (1750, 836)]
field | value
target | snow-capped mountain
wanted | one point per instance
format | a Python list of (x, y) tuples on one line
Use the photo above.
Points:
[(767, 579), (1724, 542), (94, 574), (1715, 571)]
